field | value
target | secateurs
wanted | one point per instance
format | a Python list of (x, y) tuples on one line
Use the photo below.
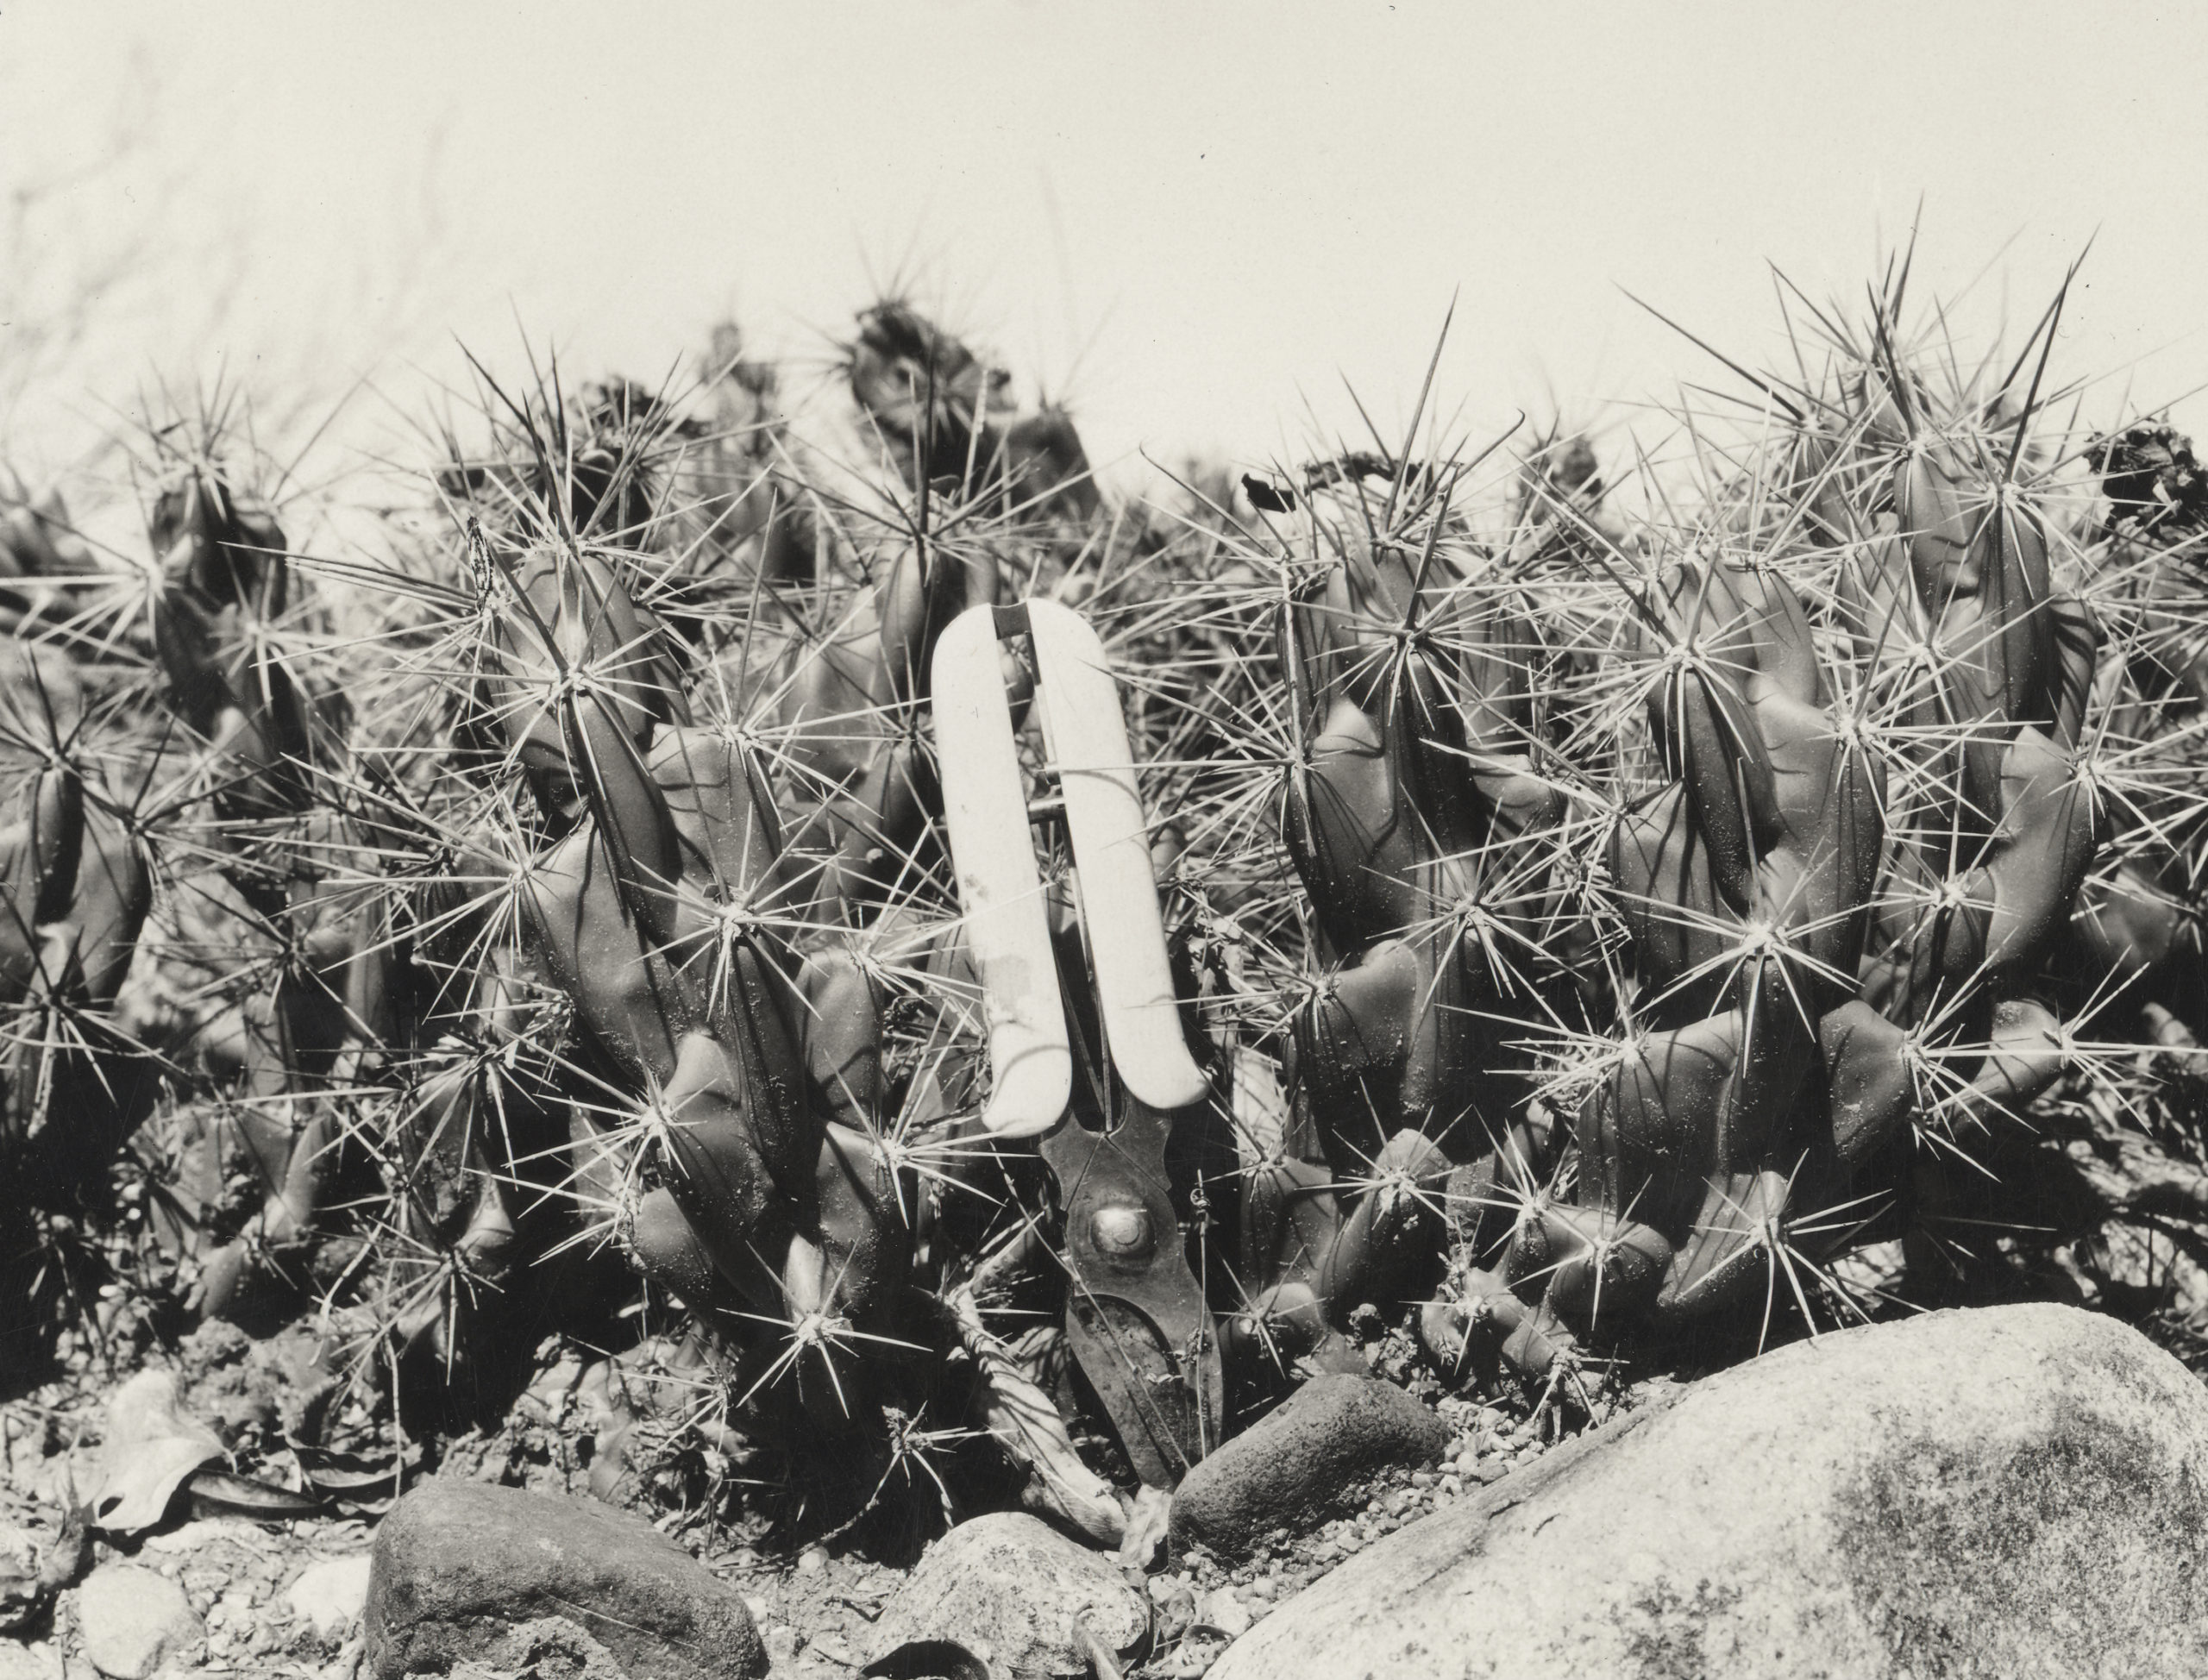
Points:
[(1137, 1319)]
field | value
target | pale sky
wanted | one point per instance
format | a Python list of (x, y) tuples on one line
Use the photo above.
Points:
[(1186, 219)]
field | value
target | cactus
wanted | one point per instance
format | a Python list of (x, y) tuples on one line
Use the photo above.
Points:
[(1428, 844), (94, 762), (945, 419), (702, 875), (75, 888), (290, 850), (689, 869), (1749, 1085)]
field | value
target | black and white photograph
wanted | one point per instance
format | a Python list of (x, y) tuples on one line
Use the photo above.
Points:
[(982, 840)]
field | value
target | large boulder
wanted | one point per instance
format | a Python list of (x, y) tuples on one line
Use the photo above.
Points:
[(2015, 1491), (459, 1566), (1313, 1456), (1008, 1589)]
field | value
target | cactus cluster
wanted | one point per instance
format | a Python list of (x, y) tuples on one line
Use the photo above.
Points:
[(696, 869)]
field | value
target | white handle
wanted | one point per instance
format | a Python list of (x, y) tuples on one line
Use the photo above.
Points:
[(985, 809), (1088, 739)]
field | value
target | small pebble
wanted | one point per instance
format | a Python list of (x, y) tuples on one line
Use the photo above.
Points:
[(811, 1561), (331, 1593), (1193, 1659), (1227, 1613), (1451, 1487), (781, 1643), (1176, 1613)]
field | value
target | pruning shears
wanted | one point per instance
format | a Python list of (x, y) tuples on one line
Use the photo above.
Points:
[(1137, 1318)]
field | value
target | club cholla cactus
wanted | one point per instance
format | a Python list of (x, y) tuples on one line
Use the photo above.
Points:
[(1428, 845), (991, 964), (75, 888), (292, 852), (726, 874), (946, 418), (1749, 1085)]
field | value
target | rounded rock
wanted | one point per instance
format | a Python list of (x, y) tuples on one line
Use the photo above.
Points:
[(331, 1594), (1314, 1456), (2020, 1491), (28, 1662), (1008, 1587), (1228, 1613), (135, 1622), (458, 1565)]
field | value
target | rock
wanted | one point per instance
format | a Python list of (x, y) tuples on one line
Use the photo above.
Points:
[(23, 1593), (1008, 1588), (780, 1642), (1309, 1458), (1193, 1658), (331, 1594), (135, 1622), (1227, 1613), (18, 1549), (28, 1662), (1176, 1611), (2013, 1491), (458, 1564)]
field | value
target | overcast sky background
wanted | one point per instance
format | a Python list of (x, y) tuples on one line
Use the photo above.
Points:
[(1187, 220)]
